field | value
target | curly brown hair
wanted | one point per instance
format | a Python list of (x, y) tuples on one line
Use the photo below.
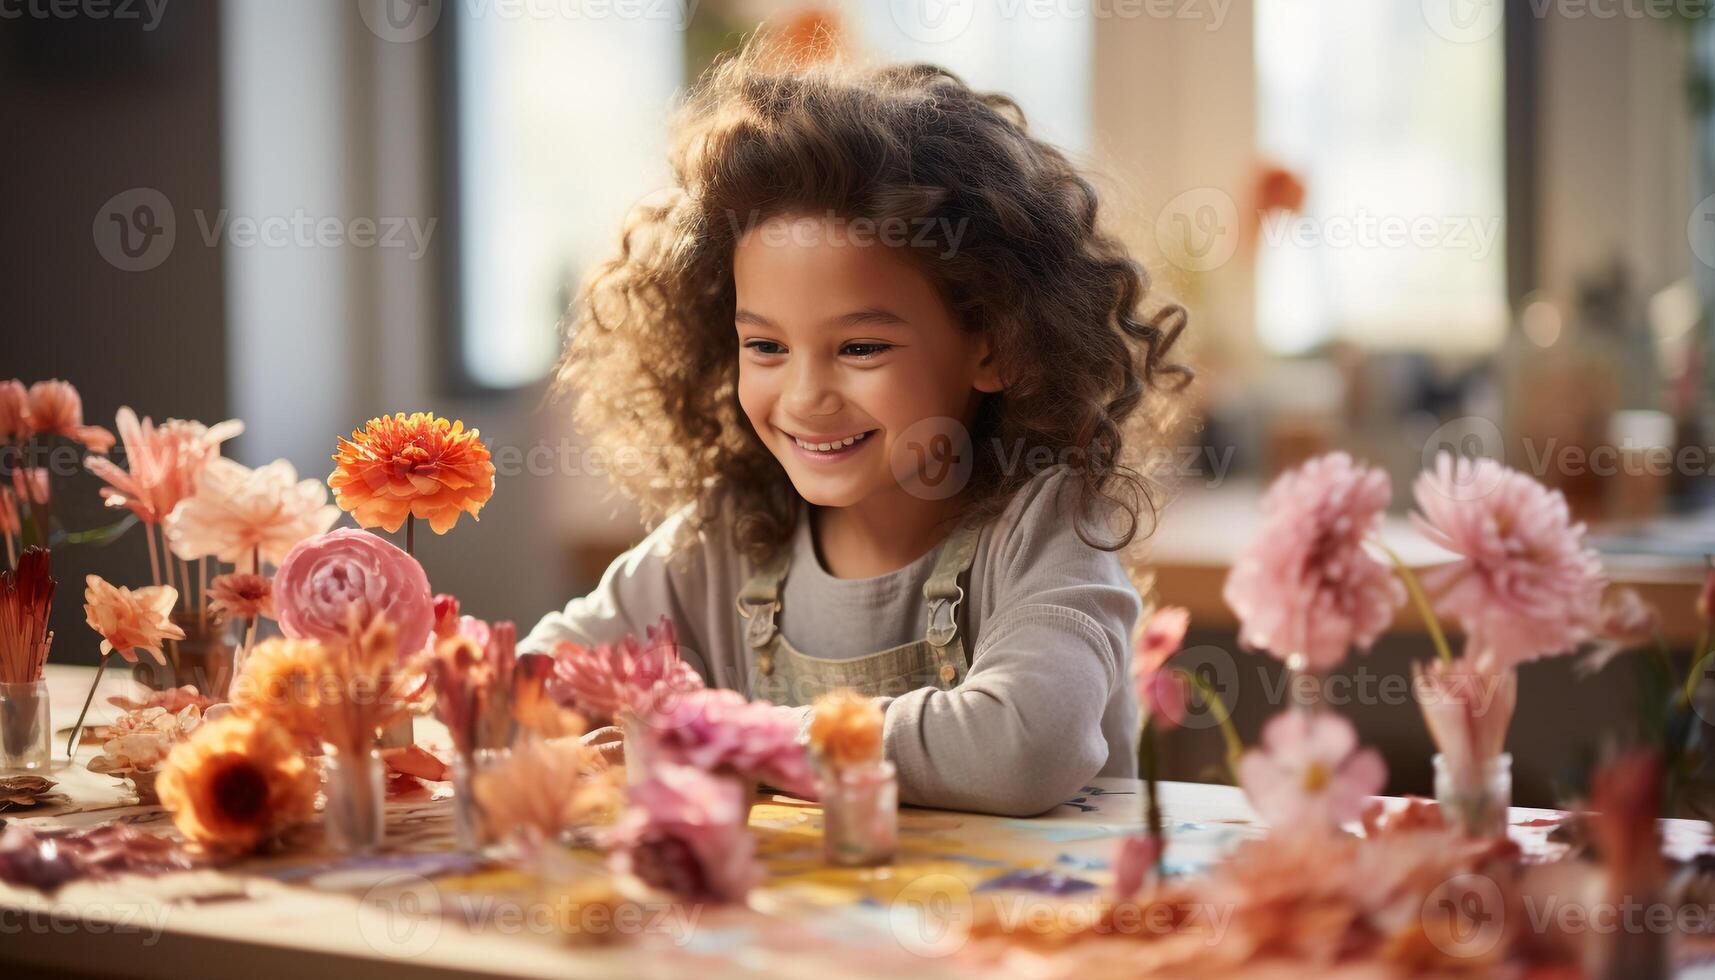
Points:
[(652, 357)]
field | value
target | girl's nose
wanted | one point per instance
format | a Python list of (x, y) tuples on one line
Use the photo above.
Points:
[(810, 391)]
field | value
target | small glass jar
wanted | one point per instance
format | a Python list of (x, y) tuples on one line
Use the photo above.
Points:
[(860, 814), (1479, 809), (469, 825), (355, 788), (25, 728)]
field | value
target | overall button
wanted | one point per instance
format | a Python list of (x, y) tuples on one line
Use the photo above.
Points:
[(947, 673)]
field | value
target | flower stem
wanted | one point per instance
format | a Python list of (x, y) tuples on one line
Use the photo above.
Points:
[(77, 729), (411, 535), (154, 559), (1420, 599), (1223, 717), (1148, 763), (1699, 657)]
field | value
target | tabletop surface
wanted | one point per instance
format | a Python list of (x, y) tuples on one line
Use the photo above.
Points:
[(419, 906)]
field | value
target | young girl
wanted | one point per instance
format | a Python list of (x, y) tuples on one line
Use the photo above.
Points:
[(882, 366)]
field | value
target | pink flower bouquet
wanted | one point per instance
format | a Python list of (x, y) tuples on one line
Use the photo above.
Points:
[(720, 732), (686, 833)]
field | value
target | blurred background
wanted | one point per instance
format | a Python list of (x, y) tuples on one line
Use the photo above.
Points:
[(1398, 227)]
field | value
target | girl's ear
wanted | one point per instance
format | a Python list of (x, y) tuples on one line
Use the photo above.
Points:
[(987, 378)]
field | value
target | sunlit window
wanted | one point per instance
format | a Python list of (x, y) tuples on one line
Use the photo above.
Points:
[(1398, 135)]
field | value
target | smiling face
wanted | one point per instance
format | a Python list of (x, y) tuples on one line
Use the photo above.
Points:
[(844, 346)]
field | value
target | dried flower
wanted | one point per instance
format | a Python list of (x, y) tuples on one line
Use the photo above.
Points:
[(472, 677), (633, 676), (446, 615), (30, 485), (26, 599), (1309, 772), (279, 682), (1306, 587), (172, 699), (162, 463), (11, 521), (237, 783), (1524, 585), (544, 789), (1467, 709), (1626, 622), (237, 513), (328, 581), (241, 595), (48, 859), (137, 745), (686, 833), (23, 792), (1161, 694), (417, 465), (131, 620), (720, 732), (365, 687), (532, 708), (57, 409), (846, 729)]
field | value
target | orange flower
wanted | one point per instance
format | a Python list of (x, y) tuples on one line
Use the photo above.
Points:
[(237, 783), (845, 729), (281, 682), (417, 465), (161, 463), (241, 595), (14, 411), (56, 408), (129, 620)]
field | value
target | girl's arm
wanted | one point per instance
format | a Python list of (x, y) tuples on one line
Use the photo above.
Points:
[(1047, 695)]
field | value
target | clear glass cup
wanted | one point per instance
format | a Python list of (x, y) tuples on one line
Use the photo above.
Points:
[(26, 731), (469, 825), (860, 814), (355, 788), (1479, 809)]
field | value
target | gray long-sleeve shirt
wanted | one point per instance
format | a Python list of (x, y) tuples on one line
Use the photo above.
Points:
[(1047, 703)]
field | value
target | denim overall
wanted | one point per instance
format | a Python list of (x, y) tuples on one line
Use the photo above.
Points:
[(785, 676)]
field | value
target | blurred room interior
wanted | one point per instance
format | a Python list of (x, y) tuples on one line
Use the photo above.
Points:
[(1395, 229)]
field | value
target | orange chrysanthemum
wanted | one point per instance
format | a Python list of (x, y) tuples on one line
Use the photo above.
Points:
[(845, 729), (412, 465), (236, 783), (281, 682)]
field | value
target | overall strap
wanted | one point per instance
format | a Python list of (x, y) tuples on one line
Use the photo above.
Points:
[(759, 602), (943, 592)]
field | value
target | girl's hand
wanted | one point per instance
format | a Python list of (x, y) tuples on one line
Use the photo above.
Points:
[(611, 742)]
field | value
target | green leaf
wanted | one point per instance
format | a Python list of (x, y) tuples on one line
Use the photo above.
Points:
[(97, 537)]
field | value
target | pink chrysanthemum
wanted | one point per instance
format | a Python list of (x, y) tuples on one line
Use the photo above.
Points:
[(1306, 587), (631, 675), (685, 832), (1524, 585), (719, 731)]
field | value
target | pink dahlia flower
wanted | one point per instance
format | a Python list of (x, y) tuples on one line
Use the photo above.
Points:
[(1306, 587)]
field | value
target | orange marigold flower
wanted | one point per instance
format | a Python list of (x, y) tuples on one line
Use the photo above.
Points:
[(418, 465), (281, 683), (237, 783), (845, 729)]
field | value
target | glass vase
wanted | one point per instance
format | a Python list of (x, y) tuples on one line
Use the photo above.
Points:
[(860, 814), (25, 728), (203, 660), (355, 787), (470, 827), (1476, 805)]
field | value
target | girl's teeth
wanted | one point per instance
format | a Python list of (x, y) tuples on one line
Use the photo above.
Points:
[(825, 447)]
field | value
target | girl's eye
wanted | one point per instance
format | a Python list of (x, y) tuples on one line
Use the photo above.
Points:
[(866, 351), (765, 346)]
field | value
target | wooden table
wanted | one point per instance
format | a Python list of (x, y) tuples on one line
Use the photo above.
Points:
[(419, 909)]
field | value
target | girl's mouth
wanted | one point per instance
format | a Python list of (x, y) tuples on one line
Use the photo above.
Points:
[(824, 449)]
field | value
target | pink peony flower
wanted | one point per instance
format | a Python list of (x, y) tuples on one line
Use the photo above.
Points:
[(237, 512), (719, 731), (131, 619), (330, 583), (1524, 586), (629, 676), (1467, 710), (1309, 772), (1135, 863), (57, 409), (161, 463), (686, 833), (1306, 588), (1161, 693)]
